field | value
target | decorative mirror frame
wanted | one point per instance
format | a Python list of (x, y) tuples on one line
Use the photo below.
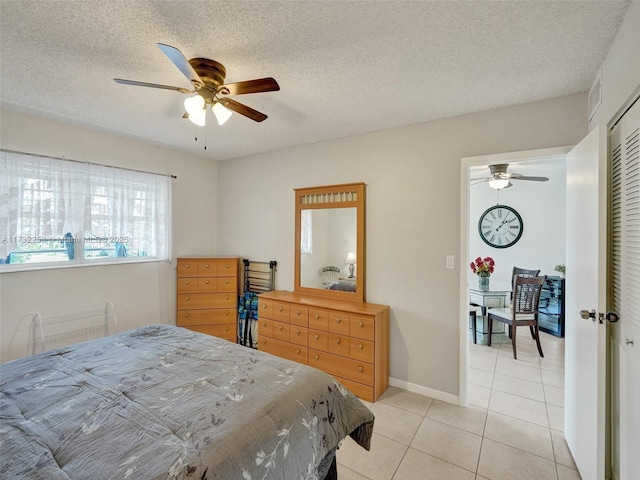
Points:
[(333, 196)]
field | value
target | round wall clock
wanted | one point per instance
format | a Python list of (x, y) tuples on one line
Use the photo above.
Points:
[(500, 226)]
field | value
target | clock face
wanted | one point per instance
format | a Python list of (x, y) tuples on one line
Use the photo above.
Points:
[(500, 226)]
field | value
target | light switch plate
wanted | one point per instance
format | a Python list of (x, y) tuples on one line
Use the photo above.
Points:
[(449, 261)]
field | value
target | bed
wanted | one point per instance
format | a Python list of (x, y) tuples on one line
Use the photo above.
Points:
[(165, 402)]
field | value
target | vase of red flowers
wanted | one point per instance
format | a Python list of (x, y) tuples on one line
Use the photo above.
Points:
[(483, 267)]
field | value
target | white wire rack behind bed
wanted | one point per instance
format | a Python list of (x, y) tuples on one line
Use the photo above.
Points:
[(62, 330)]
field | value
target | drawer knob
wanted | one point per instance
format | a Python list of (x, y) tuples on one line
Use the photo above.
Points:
[(186, 266), (360, 369), (280, 308), (317, 316), (280, 327), (317, 357), (317, 336), (264, 305), (206, 282), (297, 332), (337, 341), (227, 282), (186, 314), (206, 266), (297, 312), (360, 346), (226, 313), (186, 282), (361, 324), (226, 329), (297, 350), (338, 320), (264, 324), (226, 297), (226, 265), (186, 299)]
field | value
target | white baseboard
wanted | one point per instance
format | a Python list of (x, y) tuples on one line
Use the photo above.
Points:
[(426, 391)]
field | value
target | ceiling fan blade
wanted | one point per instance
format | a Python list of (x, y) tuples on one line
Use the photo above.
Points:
[(243, 109), (250, 86), (532, 179), (180, 61), (152, 85)]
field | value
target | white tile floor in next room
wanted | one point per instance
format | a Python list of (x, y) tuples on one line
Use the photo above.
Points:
[(513, 429)]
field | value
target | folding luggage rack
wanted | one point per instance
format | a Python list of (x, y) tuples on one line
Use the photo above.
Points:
[(259, 277)]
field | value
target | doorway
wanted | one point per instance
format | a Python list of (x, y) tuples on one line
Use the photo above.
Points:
[(535, 200)]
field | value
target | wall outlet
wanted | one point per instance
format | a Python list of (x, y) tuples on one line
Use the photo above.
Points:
[(449, 261)]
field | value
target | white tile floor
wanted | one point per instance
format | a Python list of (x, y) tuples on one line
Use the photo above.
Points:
[(513, 428)]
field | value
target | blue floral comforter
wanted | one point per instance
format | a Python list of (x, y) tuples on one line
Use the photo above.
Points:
[(165, 402)]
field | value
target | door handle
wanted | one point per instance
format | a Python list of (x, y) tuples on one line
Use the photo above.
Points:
[(612, 317), (586, 314)]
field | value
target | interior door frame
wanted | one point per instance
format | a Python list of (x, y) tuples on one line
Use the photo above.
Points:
[(465, 185)]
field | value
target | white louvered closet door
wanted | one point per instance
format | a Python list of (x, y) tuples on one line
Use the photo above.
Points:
[(625, 294)]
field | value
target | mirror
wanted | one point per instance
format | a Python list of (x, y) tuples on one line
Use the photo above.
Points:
[(329, 244)]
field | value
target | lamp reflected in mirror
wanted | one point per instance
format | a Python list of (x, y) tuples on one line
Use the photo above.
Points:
[(351, 261)]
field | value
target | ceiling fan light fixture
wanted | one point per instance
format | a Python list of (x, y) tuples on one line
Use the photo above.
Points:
[(194, 105), (498, 183), (221, 112), (199, 118)]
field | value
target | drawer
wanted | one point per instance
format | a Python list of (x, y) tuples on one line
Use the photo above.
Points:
[(228, 332), (281, 331), (227, 284), (187, 285), (319, 340), (318, 319), (353, 370), (364, 392), (339, 345), (281, 312), (282, 349), (228, 268), (207, 268), (205, 317), (265, 308), (265, 327), (299, 335), (362, 327), (187, 268), (339, 323), (206, 300), (207, 285), (362, 350), (299, 315)]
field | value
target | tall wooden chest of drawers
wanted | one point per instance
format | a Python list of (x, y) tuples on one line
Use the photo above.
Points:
[(208, 295), (348, 340)]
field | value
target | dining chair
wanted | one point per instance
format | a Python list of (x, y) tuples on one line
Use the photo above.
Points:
[(523, 310), (523, 272)]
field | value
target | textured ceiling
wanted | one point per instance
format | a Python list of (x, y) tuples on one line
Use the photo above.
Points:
[(344, 67)]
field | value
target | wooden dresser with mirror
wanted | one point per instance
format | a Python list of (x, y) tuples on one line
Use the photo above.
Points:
[(326, 323)]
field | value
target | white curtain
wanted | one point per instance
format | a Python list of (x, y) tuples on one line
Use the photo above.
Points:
[(42, 200)]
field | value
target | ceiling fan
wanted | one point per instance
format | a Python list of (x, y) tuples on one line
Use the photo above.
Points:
[(500, 179), (207, 78)]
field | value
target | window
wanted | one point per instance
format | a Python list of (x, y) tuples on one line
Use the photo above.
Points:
[(59, 212), (306, 236)]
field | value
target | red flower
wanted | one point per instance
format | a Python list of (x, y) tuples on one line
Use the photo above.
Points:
[(482, 267)]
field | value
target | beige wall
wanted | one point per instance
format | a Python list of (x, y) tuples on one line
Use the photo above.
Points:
[(142, 293), (413, 217), (621, 69)]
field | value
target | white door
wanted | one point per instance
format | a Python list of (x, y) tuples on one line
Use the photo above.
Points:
[(586, 287), (625, 295)]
